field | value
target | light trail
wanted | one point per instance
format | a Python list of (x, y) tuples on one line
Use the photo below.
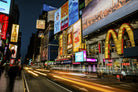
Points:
[(32, 73), (85, 85), (42, 70), (40, 73)]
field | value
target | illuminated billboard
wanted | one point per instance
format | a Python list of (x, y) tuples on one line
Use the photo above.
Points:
[(3, 25), (79, 57), (57, 21), (61, 44), (77, 36), (64, 42), (100, 13), (40, 24), (64, 16), (5, 6), (14, 33), (13, 47), (118, 40), (73, 11), (69, 37)]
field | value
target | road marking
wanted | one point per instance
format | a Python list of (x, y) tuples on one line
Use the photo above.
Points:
[(26, 83), (59, 85)]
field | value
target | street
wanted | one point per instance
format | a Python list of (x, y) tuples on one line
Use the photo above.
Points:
[(41, 80)]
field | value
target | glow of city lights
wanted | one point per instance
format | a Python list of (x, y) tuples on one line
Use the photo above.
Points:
[(85, 85)]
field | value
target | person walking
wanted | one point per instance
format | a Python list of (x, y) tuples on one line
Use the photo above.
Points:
[(12, 73)]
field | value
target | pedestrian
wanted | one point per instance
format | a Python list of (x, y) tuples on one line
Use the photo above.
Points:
[(12, 73)]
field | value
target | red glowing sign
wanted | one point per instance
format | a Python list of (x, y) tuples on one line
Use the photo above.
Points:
[(3, 25), (125, 63)]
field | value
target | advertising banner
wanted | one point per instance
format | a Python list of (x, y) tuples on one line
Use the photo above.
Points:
[(64, 42), (57, 21), (40, 24), (77, 36), (73, 11), (69, 37), (14, 34), (61, 44), (3, 25), (5, 6), (64, 16), (13, 47), (97, 10)]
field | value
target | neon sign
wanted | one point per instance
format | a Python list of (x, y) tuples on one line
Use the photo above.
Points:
[(118, 39)]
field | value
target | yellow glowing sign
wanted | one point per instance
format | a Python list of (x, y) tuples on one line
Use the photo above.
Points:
[(118, 40), (77, 36), (14, 34)]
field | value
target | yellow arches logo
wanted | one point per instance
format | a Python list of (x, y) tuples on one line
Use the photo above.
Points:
[(118, 39)]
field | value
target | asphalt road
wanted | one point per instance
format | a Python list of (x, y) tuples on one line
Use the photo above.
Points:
[(57, 81), (42, 84)]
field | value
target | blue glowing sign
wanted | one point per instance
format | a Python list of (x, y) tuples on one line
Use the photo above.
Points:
[(5, 6)]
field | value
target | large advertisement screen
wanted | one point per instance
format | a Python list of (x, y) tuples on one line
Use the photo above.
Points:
[(14, 34), (73, 11), (57, 21), (64, 16), (98, 10), (77, 36), (13, 47), (3, 25), (5, 6)]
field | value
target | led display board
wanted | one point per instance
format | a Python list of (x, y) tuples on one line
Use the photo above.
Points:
[(14, 34), (73, 11), (57, 21), (5, 6)]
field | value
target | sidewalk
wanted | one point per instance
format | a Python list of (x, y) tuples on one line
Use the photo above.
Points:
[(18, 85)]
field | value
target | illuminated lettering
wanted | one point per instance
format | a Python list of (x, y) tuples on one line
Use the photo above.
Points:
[(118, 39)]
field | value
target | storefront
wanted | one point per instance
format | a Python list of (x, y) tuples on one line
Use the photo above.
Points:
[(111, 39), (83, 63)]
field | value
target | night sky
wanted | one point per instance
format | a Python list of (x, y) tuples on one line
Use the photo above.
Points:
[(29, 13)]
